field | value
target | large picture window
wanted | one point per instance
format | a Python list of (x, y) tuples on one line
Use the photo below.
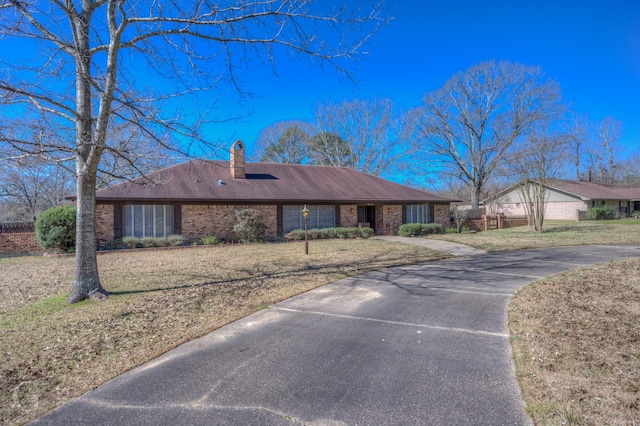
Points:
[(417, 213), (320, 216), (147, 220)]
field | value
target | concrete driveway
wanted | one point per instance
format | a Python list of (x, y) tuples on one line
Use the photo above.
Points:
[(415, 345)]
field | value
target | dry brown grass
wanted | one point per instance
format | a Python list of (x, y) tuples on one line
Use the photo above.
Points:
[(52, 352), (576, 345)]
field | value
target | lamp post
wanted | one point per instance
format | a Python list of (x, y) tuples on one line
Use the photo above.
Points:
[(305, 213)]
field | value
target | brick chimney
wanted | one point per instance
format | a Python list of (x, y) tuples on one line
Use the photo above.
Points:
[(238, 167)]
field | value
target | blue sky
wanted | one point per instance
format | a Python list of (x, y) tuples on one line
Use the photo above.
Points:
[(591, 48)]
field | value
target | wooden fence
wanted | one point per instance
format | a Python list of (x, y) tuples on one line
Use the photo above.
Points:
[(488, 222)]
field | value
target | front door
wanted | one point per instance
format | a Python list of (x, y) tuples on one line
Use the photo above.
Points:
[(367, 217)]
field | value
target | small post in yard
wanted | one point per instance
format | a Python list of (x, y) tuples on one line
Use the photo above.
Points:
[(305, 213)]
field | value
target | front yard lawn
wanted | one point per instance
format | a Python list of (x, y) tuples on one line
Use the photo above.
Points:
[(52, 352)]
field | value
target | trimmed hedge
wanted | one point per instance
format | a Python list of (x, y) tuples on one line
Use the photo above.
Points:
[(327, 233), (148, 242), (419, 229), (603, 213)]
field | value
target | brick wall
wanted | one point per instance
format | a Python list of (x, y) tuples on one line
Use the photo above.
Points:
[(442, 215), (566, 210), (392, 219), (218, 220), (511, 222), (348, 216), (19, 243), (104, 224)]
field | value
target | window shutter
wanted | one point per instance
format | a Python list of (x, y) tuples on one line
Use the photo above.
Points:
[(177, 219), (117, 221)]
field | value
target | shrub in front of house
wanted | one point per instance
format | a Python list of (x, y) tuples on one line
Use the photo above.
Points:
[(130, 242), (209, 240), (365, 232), (56, 228), (295, 235), (328, 233), (419, 229), (160, 242), (250, 227), (175, 240), (603, 213), (148, 242)]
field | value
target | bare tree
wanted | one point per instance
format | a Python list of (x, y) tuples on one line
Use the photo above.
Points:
[(329, 149), (150, 64), (285, 142), (532, 166), (608, 132), (594, 147), (30, 186), (459, 216), (577, 130), (630, 170), (473, 120), (375, 134)]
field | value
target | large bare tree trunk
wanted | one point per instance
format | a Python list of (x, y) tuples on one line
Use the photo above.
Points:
[(86, 282)]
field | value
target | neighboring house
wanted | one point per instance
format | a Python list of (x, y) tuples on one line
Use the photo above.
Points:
[(200, 198), (569, 199)]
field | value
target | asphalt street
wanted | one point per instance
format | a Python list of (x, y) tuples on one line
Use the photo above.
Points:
[(416, 345)]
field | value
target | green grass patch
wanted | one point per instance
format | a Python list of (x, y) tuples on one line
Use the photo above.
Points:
[(554, 234)]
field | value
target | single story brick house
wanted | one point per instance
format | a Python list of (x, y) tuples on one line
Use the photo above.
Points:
[(570, 200), (200, 198)]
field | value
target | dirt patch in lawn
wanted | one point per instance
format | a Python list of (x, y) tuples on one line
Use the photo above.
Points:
[(52, 352), (576, 344)]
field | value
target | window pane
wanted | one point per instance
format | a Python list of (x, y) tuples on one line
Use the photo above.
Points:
[(319, 217), (417, 213), (147, 220), (127, 217), (137, 221), (326, 216), (291, 218), (168, 226), (159, 221)]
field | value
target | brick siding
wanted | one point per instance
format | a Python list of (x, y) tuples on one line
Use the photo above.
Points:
[(218, 220), (19, 243), (392, 219), (104, 224), (442, 215), (566, 210)]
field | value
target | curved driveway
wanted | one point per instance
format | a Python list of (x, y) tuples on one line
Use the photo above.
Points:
[(415, 345)]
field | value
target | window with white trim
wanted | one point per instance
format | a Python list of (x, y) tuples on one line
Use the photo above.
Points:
[(320, 216), (417, 213), (147, 220)]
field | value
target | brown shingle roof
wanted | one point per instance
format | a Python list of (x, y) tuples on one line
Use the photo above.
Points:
[(596, 191), (198, 181)]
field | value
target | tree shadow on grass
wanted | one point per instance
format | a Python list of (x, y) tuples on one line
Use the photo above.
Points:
[(256, 275)]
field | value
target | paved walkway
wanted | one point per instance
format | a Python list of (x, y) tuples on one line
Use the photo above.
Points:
[(453, 248), (414, 345)]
